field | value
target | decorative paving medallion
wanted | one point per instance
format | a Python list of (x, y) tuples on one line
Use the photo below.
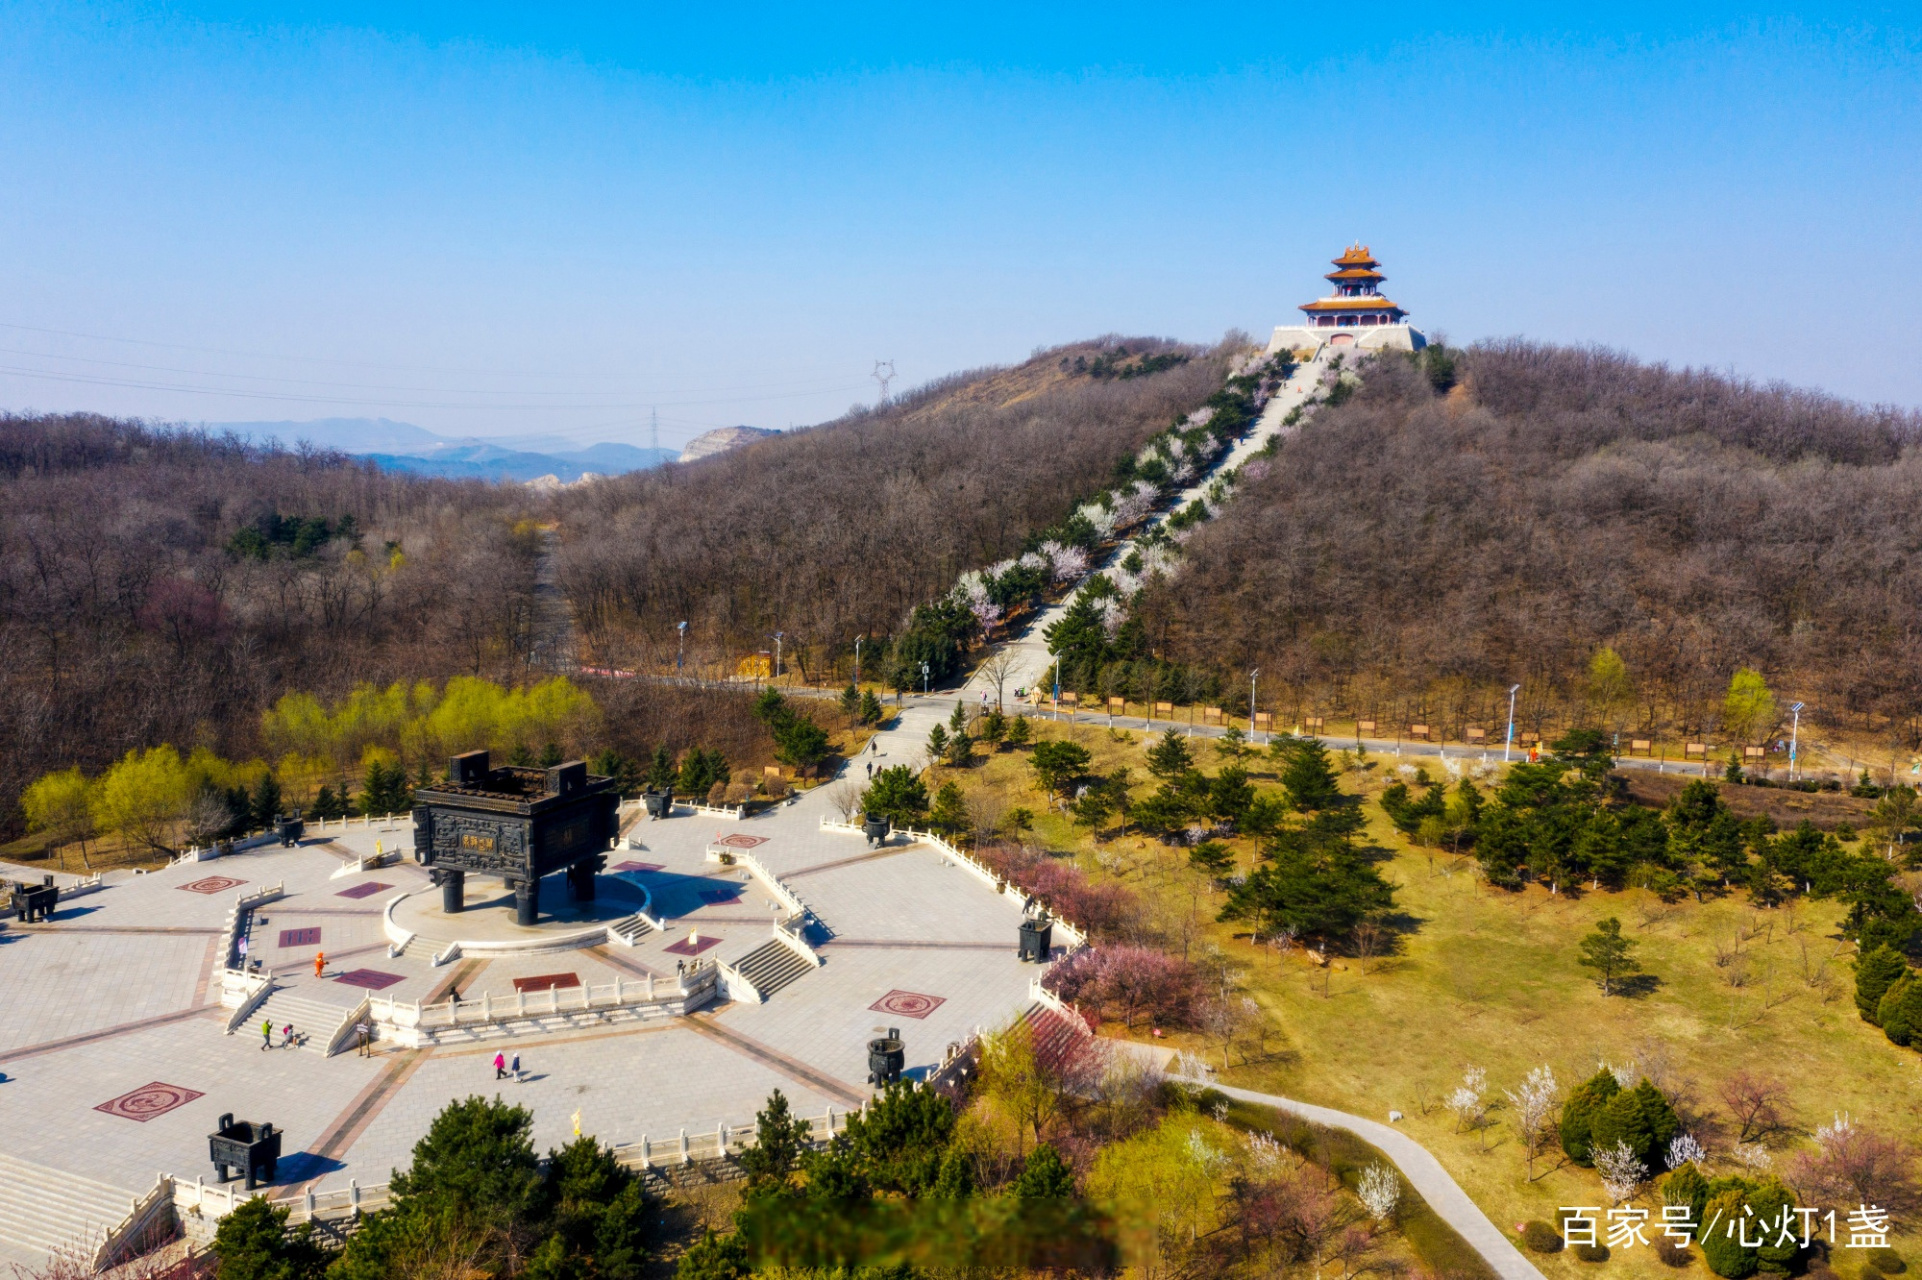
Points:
[(741, 841), (908, 1004), (372, 979), (300, 937), (148, 1101), (637, 866), (211, 884), (691, 946), (715, 897), (547, 982), (367, 890)]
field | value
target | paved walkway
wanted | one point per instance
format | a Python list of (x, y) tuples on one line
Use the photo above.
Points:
[(1424, 1173), (114, 1039)]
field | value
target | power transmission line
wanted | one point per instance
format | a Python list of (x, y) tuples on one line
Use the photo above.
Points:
[(883, 374)]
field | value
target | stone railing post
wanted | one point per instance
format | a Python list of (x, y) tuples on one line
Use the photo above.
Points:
[(685, 1160), (353, 1195)]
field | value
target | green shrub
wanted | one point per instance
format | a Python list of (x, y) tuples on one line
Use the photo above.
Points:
[(1672, 1253), (1592, 1252), (1640, 1117), (1539, 1237), (1686, 1185), (1901, 1011), (1874, 973), (1578, 1115), (1887, 1261)]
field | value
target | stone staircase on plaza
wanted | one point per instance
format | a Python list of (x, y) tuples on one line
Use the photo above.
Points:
[(315, 1022), (629, 931), (771, 966), (46, 1210)]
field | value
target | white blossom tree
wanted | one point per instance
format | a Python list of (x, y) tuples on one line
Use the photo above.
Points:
[(1686, 1149), (1622, 1173), (1533, 1104), (1380, 1191), (1467, 1101)]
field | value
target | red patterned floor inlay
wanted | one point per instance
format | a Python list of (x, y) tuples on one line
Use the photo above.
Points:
[(637, 866), (300, 937), (547, 982), (148, 1101), (211, 884), (741, 842), (691, 946), (908, 1004), (372, 979), (367, 890)]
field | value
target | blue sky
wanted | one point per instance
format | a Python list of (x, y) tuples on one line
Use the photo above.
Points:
[(496, 221)]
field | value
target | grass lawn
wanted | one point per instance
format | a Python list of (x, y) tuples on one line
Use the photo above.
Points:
[(1489, 978)]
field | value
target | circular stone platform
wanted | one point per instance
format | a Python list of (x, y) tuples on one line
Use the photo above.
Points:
[(487, 926)]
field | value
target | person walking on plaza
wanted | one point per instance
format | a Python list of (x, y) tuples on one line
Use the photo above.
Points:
[(500, 1066), (366, 1031), (266, 1034), (320, 962), (515, 1067), (287, 1036)]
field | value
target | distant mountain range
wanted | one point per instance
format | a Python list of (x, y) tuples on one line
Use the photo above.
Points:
[(402, 446)]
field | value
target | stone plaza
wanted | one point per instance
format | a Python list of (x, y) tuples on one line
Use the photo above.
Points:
[(134, 1014)]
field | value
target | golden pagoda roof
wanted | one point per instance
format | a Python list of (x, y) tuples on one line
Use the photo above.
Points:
[(1356, 255), (1367, 302), (1355, 273)]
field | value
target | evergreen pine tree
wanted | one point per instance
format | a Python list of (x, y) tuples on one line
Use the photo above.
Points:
[(1900, 1011), (780, 1138), (958, 722), (1874, 973), (870, 707), (851, 703), (1309, 778), (1045, 1176), (264, 807), (661, 771), (1579, 1112), (1608, 953), (950, 814), (1170, 757), (1019, 732)]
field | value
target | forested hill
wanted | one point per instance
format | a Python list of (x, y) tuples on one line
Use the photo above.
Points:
[(166, 586), (1499, 514), (842, 529)]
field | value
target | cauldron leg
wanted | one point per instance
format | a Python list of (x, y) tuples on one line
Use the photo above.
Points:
[(453, 891), (527, 902)]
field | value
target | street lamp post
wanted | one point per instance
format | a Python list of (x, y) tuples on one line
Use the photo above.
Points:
[(1057, 686), (777, 637), (1795, 734), (857, 661), (924, 679), (1513, 689), (1252, 676), (680, 654)]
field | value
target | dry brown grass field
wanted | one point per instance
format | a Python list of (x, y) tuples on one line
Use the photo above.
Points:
[(1486, 978)]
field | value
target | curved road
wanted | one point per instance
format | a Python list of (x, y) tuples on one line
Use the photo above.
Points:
[(1423, 1172)]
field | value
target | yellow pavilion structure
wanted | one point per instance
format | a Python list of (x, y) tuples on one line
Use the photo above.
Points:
[(1354, 314)]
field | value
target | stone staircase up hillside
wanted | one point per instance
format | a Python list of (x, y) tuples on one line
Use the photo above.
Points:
[(771, 966), (43, 1209), (315, 1022)]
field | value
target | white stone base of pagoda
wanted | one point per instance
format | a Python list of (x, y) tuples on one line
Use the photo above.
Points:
[(1361, 337)]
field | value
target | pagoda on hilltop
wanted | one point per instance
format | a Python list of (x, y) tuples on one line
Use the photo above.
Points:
[(1355, 314)]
